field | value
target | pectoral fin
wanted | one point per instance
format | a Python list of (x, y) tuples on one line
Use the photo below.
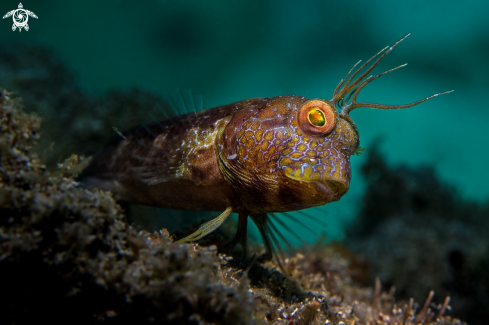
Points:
[(208, 227)]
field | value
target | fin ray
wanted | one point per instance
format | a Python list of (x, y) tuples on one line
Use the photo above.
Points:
[(207, 227), (279, 234), (286, 227), (291, 217)]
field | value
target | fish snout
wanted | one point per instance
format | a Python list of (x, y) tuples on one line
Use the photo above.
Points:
[(338, 188)]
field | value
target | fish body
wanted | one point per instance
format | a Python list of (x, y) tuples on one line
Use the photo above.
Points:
[(251, 155), (254, 157), (168, 164)]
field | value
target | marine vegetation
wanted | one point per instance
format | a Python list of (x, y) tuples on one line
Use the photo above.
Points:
[(68, 255), (254, 157), (412, 225)]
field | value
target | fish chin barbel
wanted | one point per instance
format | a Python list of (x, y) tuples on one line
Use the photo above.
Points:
[(254, 157)]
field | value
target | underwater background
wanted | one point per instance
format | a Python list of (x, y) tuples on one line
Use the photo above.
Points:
[(229, 51), (226, 51)]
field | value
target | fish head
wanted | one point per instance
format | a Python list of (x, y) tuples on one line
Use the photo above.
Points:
[(289, 153), (317, 148)]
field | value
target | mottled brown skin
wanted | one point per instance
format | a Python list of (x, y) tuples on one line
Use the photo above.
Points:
[(251, 155), (169, 164), (256, 156)]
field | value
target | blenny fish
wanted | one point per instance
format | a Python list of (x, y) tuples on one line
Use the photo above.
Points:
[(254, 157)]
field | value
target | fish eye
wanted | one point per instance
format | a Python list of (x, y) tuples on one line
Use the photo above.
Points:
[(317, 117)]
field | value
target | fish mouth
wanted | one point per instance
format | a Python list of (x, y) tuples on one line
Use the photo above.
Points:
[(336, 188), (330, 187)]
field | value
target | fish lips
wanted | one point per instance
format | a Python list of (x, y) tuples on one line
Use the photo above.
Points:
[(332, 188)]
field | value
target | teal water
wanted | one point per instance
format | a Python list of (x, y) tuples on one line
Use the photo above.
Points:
[(231, 50)]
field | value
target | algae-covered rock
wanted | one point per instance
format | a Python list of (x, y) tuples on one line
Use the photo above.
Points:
[(67, 255), (419, 234)]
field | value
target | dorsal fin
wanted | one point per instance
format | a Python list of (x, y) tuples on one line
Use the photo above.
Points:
[(178, 103), (182, 102)]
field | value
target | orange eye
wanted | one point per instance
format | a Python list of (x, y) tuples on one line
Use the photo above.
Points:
[(317, 117)]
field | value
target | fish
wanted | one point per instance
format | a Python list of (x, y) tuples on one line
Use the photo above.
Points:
[(255, 157)]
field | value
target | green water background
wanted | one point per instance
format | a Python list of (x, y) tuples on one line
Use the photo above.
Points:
[(231, 50)]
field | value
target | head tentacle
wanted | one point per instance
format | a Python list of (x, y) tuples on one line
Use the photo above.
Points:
[(354, 105), (349, 88), (349, 85), (346, 85), (357, 90)]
